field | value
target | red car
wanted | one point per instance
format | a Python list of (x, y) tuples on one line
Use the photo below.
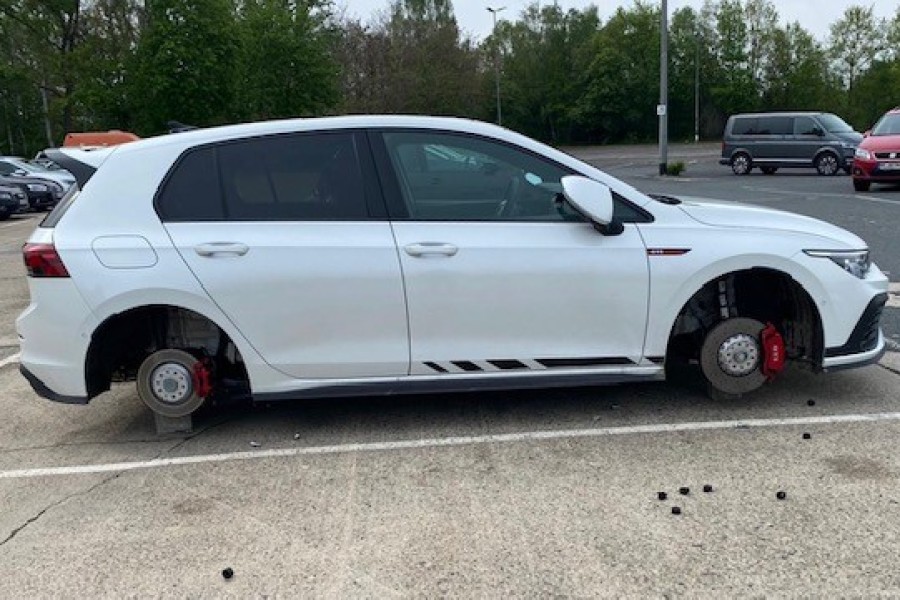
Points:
[(877, 158)]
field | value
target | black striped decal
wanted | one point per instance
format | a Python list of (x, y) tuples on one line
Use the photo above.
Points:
[(508, 364), (552, 363), (512, 364), (466, 365)]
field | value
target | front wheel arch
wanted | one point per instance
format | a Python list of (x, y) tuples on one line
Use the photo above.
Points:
[(764, 294)]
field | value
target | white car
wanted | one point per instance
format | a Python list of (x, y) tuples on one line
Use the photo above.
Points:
[(385, 254)]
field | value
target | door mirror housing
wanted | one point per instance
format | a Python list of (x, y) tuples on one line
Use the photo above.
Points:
[(592, 200), (867, 133)]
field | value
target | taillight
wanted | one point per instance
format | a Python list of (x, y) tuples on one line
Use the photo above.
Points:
[(42, 260)]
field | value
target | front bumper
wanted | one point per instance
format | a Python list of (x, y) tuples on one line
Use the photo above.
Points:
[(866, 343), (877, 171)]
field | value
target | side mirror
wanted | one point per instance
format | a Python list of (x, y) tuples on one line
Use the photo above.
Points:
[(20, 172), (867, 133), (593, 200)]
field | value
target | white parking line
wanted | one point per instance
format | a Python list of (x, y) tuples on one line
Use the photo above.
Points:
[(10, 359), (849, 194), (445, 442)]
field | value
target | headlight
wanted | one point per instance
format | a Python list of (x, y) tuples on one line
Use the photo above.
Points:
[(5, 196), (855, 262), (37, 187), (863, 154)]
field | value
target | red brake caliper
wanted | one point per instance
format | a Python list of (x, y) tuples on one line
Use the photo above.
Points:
[(773, 352), (203, 377)]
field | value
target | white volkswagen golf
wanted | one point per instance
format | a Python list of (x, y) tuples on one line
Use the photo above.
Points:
[(374, 255)]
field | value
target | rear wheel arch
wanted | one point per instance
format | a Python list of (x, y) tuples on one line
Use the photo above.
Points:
[(123, 340)]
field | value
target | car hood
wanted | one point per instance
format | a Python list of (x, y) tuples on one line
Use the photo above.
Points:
[(877, 143), (720, 213), (854, 137)]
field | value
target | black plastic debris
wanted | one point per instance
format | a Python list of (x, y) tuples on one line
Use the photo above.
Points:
[(684, 491), (781, 495), (676, 510), (807, 436), (227, 573), (707, 488), (662, 495), (810, 402)]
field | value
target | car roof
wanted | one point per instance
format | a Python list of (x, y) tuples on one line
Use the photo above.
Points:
[(792, 113), (260, 128)]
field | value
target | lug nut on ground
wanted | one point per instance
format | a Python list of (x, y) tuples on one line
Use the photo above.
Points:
[(707, 488), (661, 495), (781, 495), (684, 491), (227, 573), (807, 436), (676, 510)]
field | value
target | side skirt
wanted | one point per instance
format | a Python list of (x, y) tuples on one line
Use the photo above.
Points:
[(464, 383)]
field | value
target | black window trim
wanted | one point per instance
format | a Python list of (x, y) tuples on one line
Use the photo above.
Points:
[(393, 195), (376, 207)]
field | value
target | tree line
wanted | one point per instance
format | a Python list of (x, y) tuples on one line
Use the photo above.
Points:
[(566, 76)]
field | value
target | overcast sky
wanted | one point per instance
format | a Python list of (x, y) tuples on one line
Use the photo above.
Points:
[(814, 15)]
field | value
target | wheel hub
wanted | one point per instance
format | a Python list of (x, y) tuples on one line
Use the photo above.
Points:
[(171, 383), (739, 355)]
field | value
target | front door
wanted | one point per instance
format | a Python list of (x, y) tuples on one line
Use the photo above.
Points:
[(499, 275)]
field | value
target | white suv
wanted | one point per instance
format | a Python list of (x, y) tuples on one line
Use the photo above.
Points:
[(369, 255)]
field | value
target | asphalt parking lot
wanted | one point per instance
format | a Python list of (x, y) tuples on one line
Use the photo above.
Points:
[(534, 494)]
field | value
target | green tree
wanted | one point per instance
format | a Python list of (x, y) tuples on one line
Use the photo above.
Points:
[(185, 64), (546, 57), (798, 73), (285, 64), (624, 88)]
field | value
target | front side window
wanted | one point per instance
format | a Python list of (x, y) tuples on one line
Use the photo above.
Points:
[(451, 177)]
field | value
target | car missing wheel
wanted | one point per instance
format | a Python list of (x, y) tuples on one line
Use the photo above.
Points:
[(381, 254)]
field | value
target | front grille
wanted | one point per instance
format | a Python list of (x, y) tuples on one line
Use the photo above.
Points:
[(888, 155), (865, 334)]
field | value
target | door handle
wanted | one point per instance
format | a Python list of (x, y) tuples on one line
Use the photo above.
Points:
[(210, 249), (431, 249)]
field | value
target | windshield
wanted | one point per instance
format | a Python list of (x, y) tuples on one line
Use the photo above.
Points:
[(834, 124), (887, 125)]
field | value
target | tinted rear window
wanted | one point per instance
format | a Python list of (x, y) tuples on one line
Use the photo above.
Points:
[(191, 192), (744, 126), (775, 125)]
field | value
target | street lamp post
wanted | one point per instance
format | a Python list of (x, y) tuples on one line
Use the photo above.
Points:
[(494, 12), (662, 109), (697, 90)]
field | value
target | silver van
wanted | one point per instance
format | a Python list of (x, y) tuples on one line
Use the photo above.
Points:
[(788, 139)]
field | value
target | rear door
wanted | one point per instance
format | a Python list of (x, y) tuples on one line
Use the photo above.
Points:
[(286, 235), (772, 139)]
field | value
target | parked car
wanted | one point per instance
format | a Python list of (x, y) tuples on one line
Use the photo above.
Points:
[(12, 200), (11, 165), (772, 141), (375, 255), (43, 194), (878, 156)]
